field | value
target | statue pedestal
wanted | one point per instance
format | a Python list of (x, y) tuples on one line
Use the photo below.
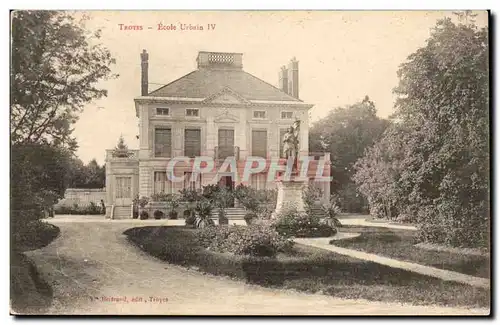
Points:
[(289, 194)]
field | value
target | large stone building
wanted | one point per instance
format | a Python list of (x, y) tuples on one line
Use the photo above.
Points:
[(218, 110)]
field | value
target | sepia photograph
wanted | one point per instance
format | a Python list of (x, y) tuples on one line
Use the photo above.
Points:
[(250, 162)]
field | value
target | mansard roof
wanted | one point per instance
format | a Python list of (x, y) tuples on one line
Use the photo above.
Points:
[(204, 82)]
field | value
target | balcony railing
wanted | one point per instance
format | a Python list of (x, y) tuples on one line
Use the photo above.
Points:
[(122, 154), (222, 153)]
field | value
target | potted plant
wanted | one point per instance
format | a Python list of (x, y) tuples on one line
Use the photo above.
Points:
[(223, 198), (250, 199), (160, 197), (190, 196), (143, 201), (135, 203), (173, 203), (331, 211), (203, 214), (158, 214)]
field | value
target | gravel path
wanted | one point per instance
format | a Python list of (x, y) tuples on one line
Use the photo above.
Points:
[(91, 266), (360, 220), (446, 275)]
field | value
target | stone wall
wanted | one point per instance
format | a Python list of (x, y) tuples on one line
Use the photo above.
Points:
[(82, 197)]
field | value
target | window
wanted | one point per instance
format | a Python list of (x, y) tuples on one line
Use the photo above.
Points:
[(258, 181), (162, 111), (163, 142), (190, 182), (259, 143), (286, 115), (161, 183), (192, 142), (123, 187), (282, 134), (259, 114), (192, 112), (226, 143)]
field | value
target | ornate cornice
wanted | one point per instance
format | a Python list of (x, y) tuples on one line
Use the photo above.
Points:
[(200, 102)]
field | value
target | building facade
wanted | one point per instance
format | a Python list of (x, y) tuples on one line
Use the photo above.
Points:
[(217, 111)]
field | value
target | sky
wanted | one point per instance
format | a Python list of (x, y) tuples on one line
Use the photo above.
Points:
[(343, 56)]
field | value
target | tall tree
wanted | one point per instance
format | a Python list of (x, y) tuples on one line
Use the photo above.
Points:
[(346, 132), (91, 175), (442, 106), (56, 65)]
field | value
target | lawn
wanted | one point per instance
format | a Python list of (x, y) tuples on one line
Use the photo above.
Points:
[(309, 269), (29, 293), (399, 244), (33, 235)]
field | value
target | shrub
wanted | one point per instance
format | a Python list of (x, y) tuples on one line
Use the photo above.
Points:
[(256, 240), (172, 215), (249, 217), (351, 200), (190, 218), (331, 211), (173, 201), (247, 197), (144, 215), (143, 201), (158, 215), (92, 209), (309, 195), (290, 222), (214, 238), (203, 214), (405, 218), (210, 191), (190, 195), (160, 197), (223, 220), (33, 234), (258, 203)]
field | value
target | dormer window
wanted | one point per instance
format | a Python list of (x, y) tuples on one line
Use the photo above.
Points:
[(192, 112), (286, 115), (165, 111), (259, 114)]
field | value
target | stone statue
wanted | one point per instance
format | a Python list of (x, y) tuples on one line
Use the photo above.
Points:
[(291, 142)]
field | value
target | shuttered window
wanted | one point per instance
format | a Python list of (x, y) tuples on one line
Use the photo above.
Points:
[(226, 144), (258, 181), (282, 134), (161, 183), (123, 187), (192, 142), (162, 111), (259, 114), (194, 112), (163, 142), (259, 143), (190, 182), (286, 115)]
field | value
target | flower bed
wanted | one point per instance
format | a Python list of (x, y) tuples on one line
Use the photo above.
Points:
[(183, 247), (291, 222), (308, 269)]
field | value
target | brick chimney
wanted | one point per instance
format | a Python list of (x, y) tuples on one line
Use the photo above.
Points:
[(219, 60), (144, 73), (293, 78), (283, 83)]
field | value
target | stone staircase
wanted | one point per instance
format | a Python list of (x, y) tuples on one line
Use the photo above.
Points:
[(122, 212), (235, 213)]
